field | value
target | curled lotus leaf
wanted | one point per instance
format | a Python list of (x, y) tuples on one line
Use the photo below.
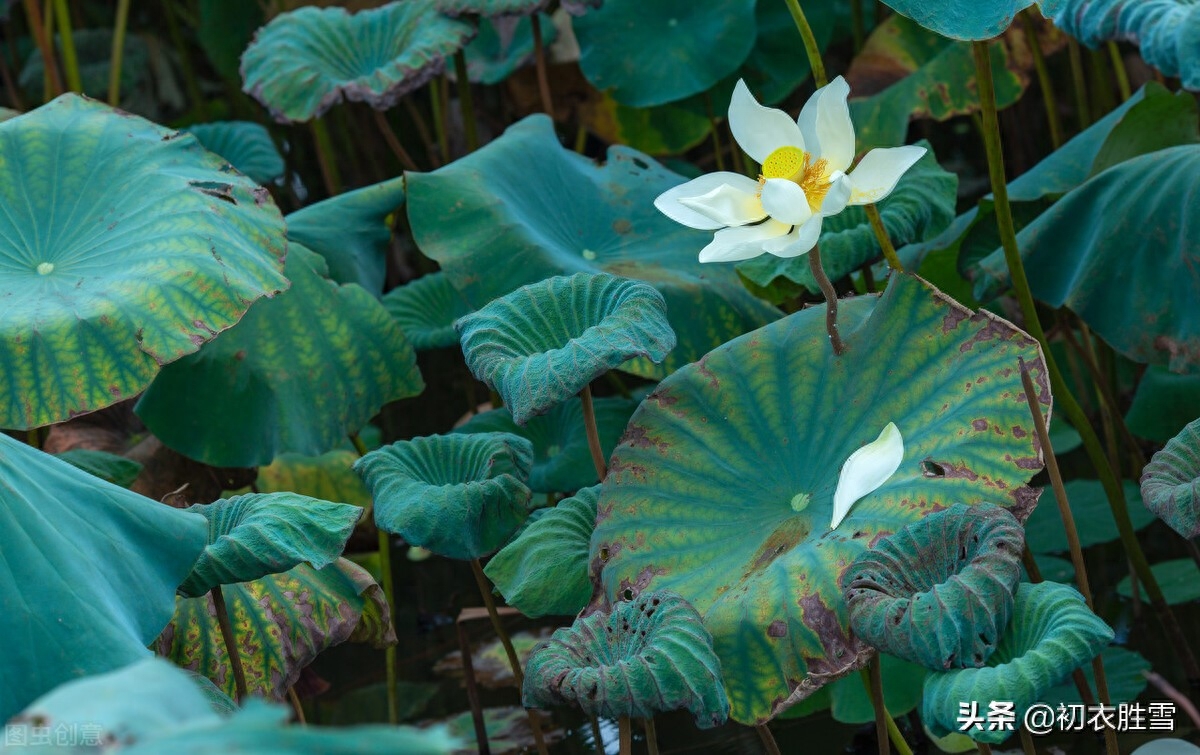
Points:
[(547, 341), (123, 246), (940, 591), (965, 19), (562, 460), (253, 535), (306, 61), (245, 144), (460, 496), (1171, 482), (544, 571), (722, 489), (1052, 633), (426, 310), (649, 655), (504, 44)]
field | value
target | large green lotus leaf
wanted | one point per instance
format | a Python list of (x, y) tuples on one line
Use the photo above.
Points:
[(426, 310), (1120, 252), (920, 207), (1178, 578), (1052, 633), (1163, 120), (1044, 532), (89, 572), (251, 536), (933, 77), (647, 54), (1163, 404), (523, 209), (352, 232), (281, 622), (1171, 482), (649, 655), (306, 61), (123, 246), (93, 54), (544, 571), (329, 477), (297, 374), (662, 130), (224, 28), (964, 19), (153, 707), (460, 496), (502, 46), (245, 144), (773, 416), (118, 470), (940, 591), (545, 342), (562, 461), (1167, 31)]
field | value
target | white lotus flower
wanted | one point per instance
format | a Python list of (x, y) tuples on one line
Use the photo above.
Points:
[(803, 178), (867, 469)]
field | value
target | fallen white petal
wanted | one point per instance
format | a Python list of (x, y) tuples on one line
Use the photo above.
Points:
[(800, 241), (826, 126), (759, 130), (736, 244), (867, 469), (668, 202), (877, 173), (786, 201)]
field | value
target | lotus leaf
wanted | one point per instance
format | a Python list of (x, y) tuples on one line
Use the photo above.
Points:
[(1171, 482), (329, 477), (920, 207), (297, 374), (460, 496), (426, 310), (1163, 403), (939, 592), (1168, 747), (1167, 31), (1179, 579), (663, 130), (1044, 532), (123, 246), (251, 536), (502, 46), (118, 470), (545, 342), (1052, 633), (306, 61), (491, 8), (281, 622), (562, 461), (965, 19), (352, 232), (649, 655), (1118, 252), (224, 28), (544, 571), (245, 144), (849, 702), (89, 572), (1123, 670), (723, 487), (653, 53)]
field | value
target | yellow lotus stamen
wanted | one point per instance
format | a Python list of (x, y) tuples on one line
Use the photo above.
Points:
[(796, 165)]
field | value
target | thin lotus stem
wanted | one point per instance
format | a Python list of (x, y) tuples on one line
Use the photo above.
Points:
[(716, 132), (70, 59), (465, 102), (48, 30), (597, 735), (438, 97), (873, 679), (885, 242), (1044, 81), (1180, 699), (593, 436), (1078, 82), (118, 53), (10, 85), (464, 648), (768, 739), (580, 139), (294, 699), (1031, 566), (984, 748), (626, 735), (329, 169), (185, 58), (651, 736), (1027, 741), (1016, 267), (514, 662), (231, 648), (868, 278), (423, 131), (37, 28), (393, 141), (539, 54), (1118, 64), (810, 43), (818, 273)]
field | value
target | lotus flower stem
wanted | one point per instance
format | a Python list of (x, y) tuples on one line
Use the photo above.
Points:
[(423, 130), (297, 708), (1027, 741), (651, 736), (593, 435), (768, 739), (810, 43), (868, 279), (393, 141), (885, 242), (325, 159), (1118, 64), (235, 658), (1044, 81), (539, 54), (118, 53), (818, 273), (514, 662), (1016, 267), (438, 97), (984, 748), (597, 735), (464, 648), (873, 680), (70, 60), (37, 29), (464, 101), (1077, 81), (626, 731)]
